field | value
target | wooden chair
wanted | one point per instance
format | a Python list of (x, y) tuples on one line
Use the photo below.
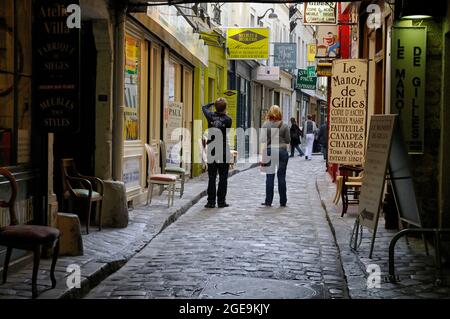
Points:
[(351, 186), (27, 237), (178, 171), (168, 180), (79, 187)]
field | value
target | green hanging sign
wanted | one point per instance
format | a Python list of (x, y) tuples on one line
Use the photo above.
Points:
[(304, 81)]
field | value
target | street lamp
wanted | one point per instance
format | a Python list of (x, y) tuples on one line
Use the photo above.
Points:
[(272, 15)]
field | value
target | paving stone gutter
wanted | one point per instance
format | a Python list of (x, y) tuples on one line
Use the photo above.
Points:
[(95, 271)]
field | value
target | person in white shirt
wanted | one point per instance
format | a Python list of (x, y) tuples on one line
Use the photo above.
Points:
[(310, 130)]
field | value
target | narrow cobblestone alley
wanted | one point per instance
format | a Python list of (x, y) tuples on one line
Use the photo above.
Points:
[(274, 252)]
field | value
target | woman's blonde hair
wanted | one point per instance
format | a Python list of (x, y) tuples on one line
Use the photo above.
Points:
[(274, 114)]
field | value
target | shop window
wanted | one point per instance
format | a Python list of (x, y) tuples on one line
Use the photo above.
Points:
[(132, 88), (15, 82)]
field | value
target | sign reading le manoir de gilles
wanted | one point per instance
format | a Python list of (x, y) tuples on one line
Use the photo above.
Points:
[(409, 45), (348, 107)]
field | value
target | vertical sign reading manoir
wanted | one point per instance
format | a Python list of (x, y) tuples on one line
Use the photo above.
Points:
[(347, 134), (56, 66), (409, 48)]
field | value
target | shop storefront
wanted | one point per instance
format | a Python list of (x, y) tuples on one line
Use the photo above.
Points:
[(22, 145)]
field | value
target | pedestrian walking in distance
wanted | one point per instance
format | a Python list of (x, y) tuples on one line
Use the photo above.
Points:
[(218, 122), (310, 129), (296, 136), (276, 137), (322, 136)]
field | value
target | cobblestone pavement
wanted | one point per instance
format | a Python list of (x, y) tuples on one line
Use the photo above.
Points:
[(416, 271), (108, 250), (292, 245)]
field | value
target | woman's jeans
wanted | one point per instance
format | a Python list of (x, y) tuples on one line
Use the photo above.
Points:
[(280, 165)]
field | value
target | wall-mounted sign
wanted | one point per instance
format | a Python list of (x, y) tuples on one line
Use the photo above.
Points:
[(348, 108), (285, 55), (56, 67), (304, 81), (173, 133), (320, 13), (248, 43), (311, 52), (328, 42), (232, 101), (409, 48), (267, 73)]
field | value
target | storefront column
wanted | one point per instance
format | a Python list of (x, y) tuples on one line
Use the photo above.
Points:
[(119, 96), (103, 105)]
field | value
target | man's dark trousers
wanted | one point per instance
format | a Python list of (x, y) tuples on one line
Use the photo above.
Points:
[(213, 169)]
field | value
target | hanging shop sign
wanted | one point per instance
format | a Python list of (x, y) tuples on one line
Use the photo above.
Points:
[(232, 101), (248, 43), (348, 108), (328, 42), (311, 52), (320, 13), (285, 55), (173, 136), (324, 69), (304, 81), (267, 73), (409, 47), (56, 67)]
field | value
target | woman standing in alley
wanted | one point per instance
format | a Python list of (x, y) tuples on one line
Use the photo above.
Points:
[(276, 137), (310, 129)]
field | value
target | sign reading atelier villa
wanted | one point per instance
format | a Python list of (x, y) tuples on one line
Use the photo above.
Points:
[(348, 107), (248, 43), (409, 47), (320, 13), (285, 55), (56, 67)]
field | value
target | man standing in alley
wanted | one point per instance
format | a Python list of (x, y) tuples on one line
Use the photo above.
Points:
[(310, 129), (218, 152), (323, 141)]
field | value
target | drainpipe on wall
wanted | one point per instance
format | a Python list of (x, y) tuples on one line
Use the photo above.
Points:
[(119, 94)]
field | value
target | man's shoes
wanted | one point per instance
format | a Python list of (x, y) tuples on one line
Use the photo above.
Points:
[(210, 205), (283, 205), (291, 156), (223, 205), (267, 205)]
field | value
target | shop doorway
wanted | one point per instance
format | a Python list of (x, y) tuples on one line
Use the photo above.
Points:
[(80, 145)]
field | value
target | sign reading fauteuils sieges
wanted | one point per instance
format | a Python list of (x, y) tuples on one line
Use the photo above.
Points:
[(409, 48), (247, 43), (348, 107), (56, 67)]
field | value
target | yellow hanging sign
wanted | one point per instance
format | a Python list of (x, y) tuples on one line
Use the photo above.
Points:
[(311, 52), (248, 43)]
